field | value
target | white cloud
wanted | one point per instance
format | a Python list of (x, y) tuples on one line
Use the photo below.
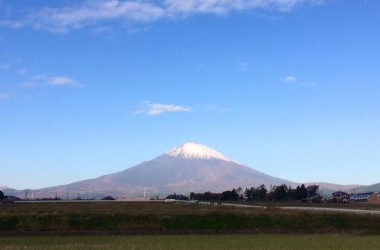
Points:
[(4, 96), (98, 12), (9, 68), (152, 109), (211, 107), (91, 13), (27, 84), (224, 110), (21, 71), (243, 66), (216, 108), (307, 84), (56, 81), (5, 66), (290, 79), (225, 6), (295, 81)]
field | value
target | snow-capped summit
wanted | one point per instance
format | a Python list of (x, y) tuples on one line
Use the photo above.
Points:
[(196, 151)]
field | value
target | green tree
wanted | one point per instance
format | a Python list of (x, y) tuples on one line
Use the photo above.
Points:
[(192, 196), (230, 195), (280, 192), (291, 195), (313, 190), (1, 195), (301, 192), (262, 192)]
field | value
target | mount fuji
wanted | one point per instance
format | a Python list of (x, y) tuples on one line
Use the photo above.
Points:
[(188, 168)]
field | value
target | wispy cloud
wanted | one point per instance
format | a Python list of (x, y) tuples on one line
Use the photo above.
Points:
[(50, 80), (294, 80), (4, 66), (290, 79), (307, 84), (216, 108), (11, 68), (28, 84), (176, 7), (152, 109), (4, 96), (243, 66), (54, 81), (98, 12)]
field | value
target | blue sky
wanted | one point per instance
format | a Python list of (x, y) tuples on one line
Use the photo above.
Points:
[(288, 87)]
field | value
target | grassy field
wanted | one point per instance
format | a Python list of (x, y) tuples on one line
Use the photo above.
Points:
[(123, 218), (209, 242)]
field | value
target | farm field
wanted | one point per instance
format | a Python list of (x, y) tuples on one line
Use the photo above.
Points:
[(143, 218), (209, 242)]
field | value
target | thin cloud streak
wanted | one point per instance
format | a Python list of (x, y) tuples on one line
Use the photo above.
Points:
[(295, 81), (290, 79), (152, 109), (216, 108), (243, 66), (4, 96), (57, 81), (92, 13)]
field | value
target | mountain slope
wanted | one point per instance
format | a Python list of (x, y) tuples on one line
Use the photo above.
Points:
[(326, 189), (188, 168), (365, 189)]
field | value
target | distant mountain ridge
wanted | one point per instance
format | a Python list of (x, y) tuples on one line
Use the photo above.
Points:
[(188, 168), (365, 189)]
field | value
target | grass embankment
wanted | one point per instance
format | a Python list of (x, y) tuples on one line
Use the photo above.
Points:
[(171, 218), (209, 242)]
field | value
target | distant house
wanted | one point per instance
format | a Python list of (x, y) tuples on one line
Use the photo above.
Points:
[(340, 197), (370, 197)]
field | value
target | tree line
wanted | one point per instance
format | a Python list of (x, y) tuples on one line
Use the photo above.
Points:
[(260, 193)]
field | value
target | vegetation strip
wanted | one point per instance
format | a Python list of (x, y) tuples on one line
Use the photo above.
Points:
[(163, 218)]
